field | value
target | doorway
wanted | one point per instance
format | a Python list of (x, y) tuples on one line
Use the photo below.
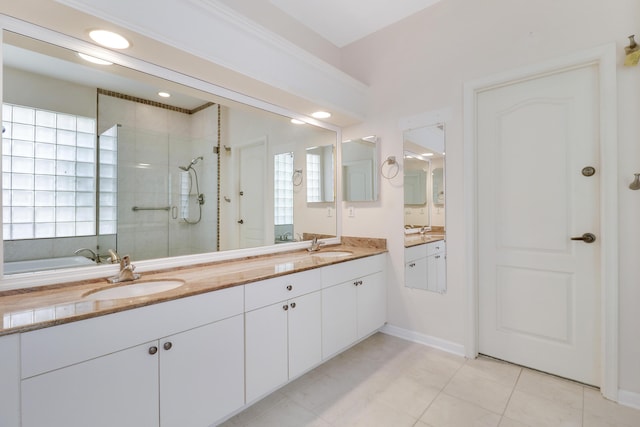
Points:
[(538, 298)]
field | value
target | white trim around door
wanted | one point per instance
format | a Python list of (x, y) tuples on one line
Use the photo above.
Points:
[(605, 58)]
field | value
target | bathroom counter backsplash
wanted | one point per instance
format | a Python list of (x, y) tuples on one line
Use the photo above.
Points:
[(28, 309)]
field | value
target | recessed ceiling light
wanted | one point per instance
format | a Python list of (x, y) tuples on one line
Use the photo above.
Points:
[(297, 122), (321, 115), (164, 94), (109, 39), (93, 59)]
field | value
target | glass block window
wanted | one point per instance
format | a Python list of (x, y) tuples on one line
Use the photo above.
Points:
[(108, 182), (283, 189), (48, 174), (314, 178)]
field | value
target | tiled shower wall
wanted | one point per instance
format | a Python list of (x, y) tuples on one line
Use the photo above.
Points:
[(152, 143)]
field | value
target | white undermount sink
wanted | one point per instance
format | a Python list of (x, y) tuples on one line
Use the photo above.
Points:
[(136, 289), (331, 254)]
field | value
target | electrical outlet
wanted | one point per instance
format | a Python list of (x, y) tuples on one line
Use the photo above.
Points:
[(351, 212), (329, 213)]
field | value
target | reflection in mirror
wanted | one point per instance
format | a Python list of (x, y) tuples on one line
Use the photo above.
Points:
[(96, 165), (359, 170), (424, 203), (424, 189), (320, 174)]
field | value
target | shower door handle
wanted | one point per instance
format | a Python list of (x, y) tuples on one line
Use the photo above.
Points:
[(586, 237), (241, 221)]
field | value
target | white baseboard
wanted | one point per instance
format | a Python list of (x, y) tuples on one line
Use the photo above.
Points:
[(629, 398), (417, 337)]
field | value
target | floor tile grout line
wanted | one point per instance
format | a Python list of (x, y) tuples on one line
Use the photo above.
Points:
[(441, 390), (513, 390)]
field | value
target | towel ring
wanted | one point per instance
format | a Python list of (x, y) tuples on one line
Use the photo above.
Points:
[(296, 178), (391, 161)]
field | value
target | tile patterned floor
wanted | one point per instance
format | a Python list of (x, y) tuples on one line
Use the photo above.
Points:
[(389, 382)]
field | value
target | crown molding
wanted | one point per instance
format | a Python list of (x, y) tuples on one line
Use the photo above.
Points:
[(217, 33)]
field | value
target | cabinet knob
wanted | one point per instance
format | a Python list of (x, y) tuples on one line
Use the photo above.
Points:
[(285, 307), (167, 345), (153, 349), (413, 264), (289, 287), (293, 305), (437, 256), (358, 282)]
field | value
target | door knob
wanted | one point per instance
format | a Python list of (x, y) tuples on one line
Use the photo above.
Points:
[(586, 237)]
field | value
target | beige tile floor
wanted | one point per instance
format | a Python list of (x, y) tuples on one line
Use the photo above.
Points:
[(386, 381)]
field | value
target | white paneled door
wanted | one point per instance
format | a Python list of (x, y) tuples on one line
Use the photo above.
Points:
[(253, 189), (538, 188)]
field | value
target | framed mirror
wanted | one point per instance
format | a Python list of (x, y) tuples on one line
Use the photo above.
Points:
[(97, 163), (360, 169), (424, 184)]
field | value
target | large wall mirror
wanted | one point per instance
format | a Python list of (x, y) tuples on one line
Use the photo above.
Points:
[(424, 185), (95, 161)]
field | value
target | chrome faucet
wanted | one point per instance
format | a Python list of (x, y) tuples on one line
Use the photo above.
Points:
[(315, 245), (114, 257), (126, 273), (93, 257)]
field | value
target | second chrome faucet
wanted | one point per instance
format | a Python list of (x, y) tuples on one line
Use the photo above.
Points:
[(126, 273)]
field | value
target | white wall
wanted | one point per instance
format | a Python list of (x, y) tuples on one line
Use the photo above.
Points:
[(421, 63)]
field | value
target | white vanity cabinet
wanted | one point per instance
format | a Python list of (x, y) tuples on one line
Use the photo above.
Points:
[(10, 380), (415, 267), (436, 267), (283, 330), (114, 370), (425, 267), (352, 308)]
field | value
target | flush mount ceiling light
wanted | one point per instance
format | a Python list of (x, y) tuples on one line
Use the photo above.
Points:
[(109, 39), (321, 115), (297, 122), (164, 94), (93, 59)]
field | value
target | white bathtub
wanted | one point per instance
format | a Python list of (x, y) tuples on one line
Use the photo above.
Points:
[(15, 267)]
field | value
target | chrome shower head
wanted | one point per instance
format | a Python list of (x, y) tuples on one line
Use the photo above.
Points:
[(193, 162)]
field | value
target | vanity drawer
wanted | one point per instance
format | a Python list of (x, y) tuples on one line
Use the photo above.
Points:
[(436, 247), (52, 348), (282, 288), (345, 271), (413, 253)]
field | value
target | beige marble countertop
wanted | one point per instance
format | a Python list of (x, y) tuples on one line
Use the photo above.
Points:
[(34, 308), (421, 239)]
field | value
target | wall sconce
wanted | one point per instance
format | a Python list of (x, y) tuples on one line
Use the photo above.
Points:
[(632, 52)]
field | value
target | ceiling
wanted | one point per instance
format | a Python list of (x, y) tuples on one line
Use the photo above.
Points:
[(343, 22)]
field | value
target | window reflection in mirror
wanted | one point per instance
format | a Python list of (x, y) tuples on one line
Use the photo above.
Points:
[(320, 174), (359, 169), (94, 160), (424, 186)]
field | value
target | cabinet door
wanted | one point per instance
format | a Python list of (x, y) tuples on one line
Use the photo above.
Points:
[(339, 318), (441, 273), (202, 374), (415, 273), (305, 333), (266, 349), (372, 304), (432, 273), (119, 389), (10, 380)]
